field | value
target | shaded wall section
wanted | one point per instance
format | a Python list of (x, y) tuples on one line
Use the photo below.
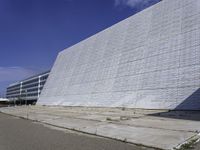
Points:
[(150, 60)]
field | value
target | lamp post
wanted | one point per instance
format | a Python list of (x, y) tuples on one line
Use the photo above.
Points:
[(25, 91), (26, 103)]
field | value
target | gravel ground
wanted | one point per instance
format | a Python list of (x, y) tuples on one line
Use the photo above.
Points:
[(20, 134)]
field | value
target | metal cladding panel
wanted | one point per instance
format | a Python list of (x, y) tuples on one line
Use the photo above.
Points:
[(150, 60)]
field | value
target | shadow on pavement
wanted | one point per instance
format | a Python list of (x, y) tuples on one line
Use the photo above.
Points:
[(189, 109), (176, 114)]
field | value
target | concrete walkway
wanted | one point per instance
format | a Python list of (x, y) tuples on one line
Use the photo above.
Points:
[(151, 128)]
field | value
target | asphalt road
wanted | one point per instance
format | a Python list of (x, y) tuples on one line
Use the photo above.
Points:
[(20, 134)]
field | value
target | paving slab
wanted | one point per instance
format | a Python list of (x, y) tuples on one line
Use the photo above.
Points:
[(145, 136), (166, 124), (141, 127)]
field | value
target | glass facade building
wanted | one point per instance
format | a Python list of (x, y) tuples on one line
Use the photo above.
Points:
[(28, 90)]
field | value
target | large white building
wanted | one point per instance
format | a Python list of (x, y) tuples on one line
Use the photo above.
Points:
[(149, 60)]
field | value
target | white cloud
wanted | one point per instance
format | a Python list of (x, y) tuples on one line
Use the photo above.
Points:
[(14, 73), (131, 3)]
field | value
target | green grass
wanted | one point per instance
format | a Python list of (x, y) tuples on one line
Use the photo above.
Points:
[(187, 146)]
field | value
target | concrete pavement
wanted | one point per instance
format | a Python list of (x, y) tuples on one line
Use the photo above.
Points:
[(151, 128), (21, 134)]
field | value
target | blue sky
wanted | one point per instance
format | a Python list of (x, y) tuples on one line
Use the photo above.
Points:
[(32, 32)]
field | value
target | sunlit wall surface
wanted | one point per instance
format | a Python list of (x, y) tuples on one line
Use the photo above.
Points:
[(150, 60)]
